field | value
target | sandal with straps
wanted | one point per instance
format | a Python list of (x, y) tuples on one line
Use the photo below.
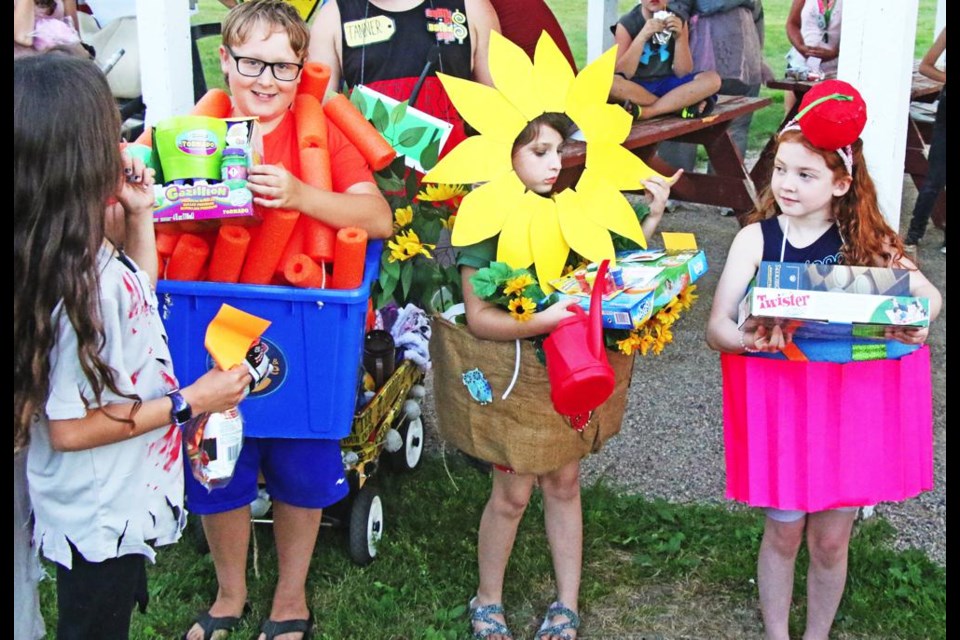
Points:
[(480, 614), (548, 629)]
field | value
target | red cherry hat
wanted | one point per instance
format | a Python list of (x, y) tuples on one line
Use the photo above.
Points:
[(832, 115)]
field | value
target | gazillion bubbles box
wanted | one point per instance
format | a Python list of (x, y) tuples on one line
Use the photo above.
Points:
[(201, 165)]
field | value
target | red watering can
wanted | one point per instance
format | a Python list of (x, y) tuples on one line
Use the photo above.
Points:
[(581, 378)]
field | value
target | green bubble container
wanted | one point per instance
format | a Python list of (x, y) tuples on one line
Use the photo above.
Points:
[(190, 147)]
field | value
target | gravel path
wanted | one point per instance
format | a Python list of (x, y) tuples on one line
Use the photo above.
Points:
[(671, 443)]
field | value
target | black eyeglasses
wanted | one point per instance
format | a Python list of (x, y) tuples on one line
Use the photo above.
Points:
[(253, 68)]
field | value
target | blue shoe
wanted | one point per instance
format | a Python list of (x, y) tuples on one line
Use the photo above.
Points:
[(480, 614), (550, 629)]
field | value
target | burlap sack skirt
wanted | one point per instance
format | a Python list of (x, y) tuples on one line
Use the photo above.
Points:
[(522, 432)]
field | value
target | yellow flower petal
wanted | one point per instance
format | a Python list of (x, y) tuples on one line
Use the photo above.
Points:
[(514, 244), (476, 159), (484, 210), (485, 108), (618, 166), (602, 122), (609, 207), (586, 102), (512, 73), (550, 249), (584, 236), (552, 75)]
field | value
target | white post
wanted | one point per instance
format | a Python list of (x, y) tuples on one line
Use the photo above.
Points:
[(166, 68), (877, 58), (941, 20), (601, 14)]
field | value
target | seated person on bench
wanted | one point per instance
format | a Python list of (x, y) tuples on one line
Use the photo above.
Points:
[(654, 66)]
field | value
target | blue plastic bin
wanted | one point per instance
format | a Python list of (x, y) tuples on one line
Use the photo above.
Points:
[(315, 346)]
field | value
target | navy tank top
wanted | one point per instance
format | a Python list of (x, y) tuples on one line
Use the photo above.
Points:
[(440, 23), (824, 250)]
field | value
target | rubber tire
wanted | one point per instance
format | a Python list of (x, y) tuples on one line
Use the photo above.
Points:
[(408, 457), (366, 525)]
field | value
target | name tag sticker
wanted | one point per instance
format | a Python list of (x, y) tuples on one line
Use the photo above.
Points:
[(358, 33)]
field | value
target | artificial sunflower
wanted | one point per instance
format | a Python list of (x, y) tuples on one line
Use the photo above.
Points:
[(402, 216), (521, 308), (518, 284), (408, 245), (533, 229), (441, 192)]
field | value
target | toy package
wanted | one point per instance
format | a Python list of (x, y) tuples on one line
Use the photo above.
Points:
[(202, 165), (643, 282), (832, 301)]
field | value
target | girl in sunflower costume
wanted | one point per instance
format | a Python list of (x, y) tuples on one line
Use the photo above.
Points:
[(491, 390), (536, 162)]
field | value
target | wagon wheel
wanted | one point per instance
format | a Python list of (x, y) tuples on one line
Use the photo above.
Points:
[(411, 430), (366, 525)]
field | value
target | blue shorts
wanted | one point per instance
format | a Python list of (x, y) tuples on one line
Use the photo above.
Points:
[(662, 86), (306, 473)]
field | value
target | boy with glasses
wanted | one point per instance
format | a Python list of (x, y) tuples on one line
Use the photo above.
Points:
[(264, 46)]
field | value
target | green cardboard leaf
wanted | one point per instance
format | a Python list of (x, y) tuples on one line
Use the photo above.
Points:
[(359, 101), (430, 154), (410, 137), (380, 118), (398, 113)]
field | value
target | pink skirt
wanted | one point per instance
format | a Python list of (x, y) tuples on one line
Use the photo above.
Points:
[(820, 435)]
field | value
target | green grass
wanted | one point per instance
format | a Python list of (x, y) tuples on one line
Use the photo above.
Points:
[(426, 569)]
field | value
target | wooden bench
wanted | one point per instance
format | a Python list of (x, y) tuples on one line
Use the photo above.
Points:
[(919, 133), (730, 186)]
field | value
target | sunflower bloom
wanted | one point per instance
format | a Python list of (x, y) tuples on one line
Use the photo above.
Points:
[(687, 297), (522, 308), (441, 192), (644, 342), (669, 314), (516, 285), (407, 245), (402, 216), (629, 344)]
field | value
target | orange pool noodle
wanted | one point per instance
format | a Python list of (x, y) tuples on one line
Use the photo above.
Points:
[(266, 248), (314, 80), (311, 123), (315, 168), (348, 258), (229, 250), (166, 242), (294, 244), (214, 103), (188, 258), (301, 271), (376, 151)]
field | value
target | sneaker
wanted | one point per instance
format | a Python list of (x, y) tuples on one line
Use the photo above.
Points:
[(943, 249), (910, 250)]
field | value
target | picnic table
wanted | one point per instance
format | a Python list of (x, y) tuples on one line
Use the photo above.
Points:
[(730, 186), (919, 133)]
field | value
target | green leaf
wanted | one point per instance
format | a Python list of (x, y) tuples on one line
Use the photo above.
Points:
[(410, 137), (485, 283), (398, 113), (358, 100), (430, 154), (389, 183), (388, 268), (406, 275), (380, 118), (412, 183)]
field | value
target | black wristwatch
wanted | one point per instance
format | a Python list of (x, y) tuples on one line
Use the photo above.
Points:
[(181, 412)]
